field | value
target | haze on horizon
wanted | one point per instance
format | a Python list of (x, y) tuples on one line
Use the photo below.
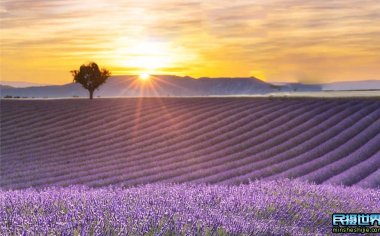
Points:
[(307, 41)]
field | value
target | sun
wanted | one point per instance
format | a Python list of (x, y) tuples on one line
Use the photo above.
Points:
[(144, 76), (146, 55)]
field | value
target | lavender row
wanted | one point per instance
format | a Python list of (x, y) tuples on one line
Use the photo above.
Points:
[(98, 172), (260, 208)]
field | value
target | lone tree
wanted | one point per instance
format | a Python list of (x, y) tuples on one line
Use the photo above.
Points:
[(90, 77)]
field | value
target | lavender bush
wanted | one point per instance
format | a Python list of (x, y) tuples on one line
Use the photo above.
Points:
[(259, 208)]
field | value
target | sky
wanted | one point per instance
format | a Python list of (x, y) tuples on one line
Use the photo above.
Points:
[(305, 41)]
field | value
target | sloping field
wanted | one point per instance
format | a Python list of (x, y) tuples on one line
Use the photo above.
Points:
[(197, 140)]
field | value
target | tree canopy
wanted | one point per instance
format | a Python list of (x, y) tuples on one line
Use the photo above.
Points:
[(90, 76)]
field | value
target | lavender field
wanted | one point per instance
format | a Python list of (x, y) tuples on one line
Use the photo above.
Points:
[(186, 166), (260, 208), (127, 142)]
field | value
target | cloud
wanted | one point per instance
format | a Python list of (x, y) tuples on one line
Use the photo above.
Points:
[(283, 39)]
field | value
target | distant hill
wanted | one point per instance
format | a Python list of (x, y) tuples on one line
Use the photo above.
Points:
[(334, 86), (160, 85), (299, 87), (20, 84), (353, 85), (170, 85)]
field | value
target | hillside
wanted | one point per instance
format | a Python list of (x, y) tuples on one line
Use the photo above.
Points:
[(160, 85), (353, 85), (20, 84), (194, 140)]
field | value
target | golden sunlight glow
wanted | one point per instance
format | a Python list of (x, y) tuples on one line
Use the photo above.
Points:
[(144, 76), (146, 55), (155, 56), (274, 40)]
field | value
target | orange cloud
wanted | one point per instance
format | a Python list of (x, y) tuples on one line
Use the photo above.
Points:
[(277, 40)]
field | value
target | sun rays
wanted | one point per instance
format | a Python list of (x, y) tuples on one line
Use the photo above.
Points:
[(147, 85)]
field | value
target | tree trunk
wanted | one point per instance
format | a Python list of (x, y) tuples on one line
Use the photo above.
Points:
[(91, 93)]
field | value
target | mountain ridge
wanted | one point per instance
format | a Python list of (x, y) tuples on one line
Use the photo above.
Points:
[(172, 85), (158, 85)]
